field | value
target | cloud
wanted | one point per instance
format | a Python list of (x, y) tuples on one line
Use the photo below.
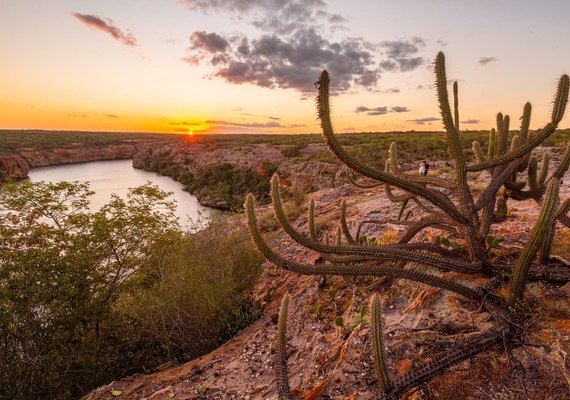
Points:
[(293, 61), (399, 109), (471, 121), (372, 111), (97, 23), (246, 125), (486, 60), (391, 90), (423, 121), (402, 55), (380, 110), (295, 43)]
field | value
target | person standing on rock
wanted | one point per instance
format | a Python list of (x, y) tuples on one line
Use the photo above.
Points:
[(422, 170)]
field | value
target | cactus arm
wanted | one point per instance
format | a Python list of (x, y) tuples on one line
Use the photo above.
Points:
[(532, 174), (364, 269), (283, 389), (478, 152), (434, 197), (491, 146), (561, 99), (544, 224), (436, 366), (561, 213), (422, 224), (496, 182), (544, 168), (386, 252), (456, 105), (378, 343), (402, 209), (525, 123), (546, 246), (312, 230), (344, 225), (524, 134), (557, 114), (563, 166), (500, 135), (360, 185)]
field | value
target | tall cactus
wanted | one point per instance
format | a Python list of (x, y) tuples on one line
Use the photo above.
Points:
[(449, 205)]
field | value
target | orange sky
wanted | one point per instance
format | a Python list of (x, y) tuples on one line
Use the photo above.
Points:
[(228, 67)]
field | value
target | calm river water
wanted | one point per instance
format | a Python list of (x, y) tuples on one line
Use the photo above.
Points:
[(107, 177)]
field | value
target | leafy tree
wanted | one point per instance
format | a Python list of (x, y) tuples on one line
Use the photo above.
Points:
[(62, 268)]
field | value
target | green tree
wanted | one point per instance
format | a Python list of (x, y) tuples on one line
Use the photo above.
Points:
[(62, 268)]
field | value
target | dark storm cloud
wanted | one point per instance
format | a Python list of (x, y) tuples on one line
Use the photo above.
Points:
[(423, 121), (486, 60), (471, 121), (294, 47), (107, 26)]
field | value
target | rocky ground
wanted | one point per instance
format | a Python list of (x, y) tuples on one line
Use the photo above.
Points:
[(327, 361)]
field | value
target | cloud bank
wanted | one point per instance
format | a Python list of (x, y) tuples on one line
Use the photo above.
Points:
[(294, 44)]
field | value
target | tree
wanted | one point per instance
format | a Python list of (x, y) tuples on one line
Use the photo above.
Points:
[(62, 269)]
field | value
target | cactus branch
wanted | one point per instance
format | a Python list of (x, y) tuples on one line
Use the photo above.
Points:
[(378, 343), (542, 227), (283, 389)]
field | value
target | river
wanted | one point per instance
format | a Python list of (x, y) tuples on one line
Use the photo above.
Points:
[(117, 176)]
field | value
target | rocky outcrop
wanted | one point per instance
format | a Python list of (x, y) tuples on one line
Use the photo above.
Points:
[(13, 167), (18, 165), (301, 173), (311, 175), (193, 156), (77, 154)]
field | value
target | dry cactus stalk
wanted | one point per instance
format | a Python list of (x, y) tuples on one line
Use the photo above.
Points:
[(515, 175)]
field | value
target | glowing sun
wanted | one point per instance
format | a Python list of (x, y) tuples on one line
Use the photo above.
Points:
[(190, 133)]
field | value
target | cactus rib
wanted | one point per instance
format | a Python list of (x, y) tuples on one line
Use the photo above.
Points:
[(378, 343)]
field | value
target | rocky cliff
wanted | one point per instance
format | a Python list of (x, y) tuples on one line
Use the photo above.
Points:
[(18, 165), (14, 167), (77, 154), (304, 173)]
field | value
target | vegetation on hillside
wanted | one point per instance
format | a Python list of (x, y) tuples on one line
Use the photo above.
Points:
[(88, 297), (13, 140)]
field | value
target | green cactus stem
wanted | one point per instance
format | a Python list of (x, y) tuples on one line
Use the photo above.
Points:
[(364, 269), (392, 252), (560, 100), (344, 225), (312, 230), (436, 366), (543, 226), (378, 343), (283, 389)]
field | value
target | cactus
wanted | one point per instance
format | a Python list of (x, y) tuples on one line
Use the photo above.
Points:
[(465, 214)]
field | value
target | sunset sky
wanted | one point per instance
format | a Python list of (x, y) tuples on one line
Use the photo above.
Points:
[(248, 66)]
